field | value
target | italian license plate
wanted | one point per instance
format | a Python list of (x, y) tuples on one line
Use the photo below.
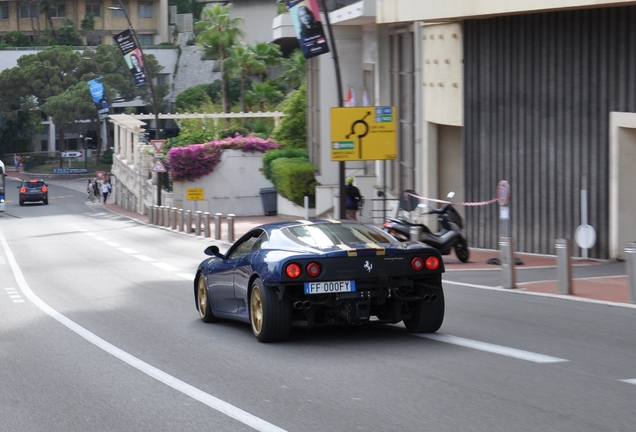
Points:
[(330, 287)]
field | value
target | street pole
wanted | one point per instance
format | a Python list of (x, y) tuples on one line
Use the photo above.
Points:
[(111, 110), (149, 80), (336, 63)]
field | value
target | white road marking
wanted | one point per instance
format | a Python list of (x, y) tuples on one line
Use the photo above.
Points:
[(102, 239), (128, 250), (629, 381), (492, 348), (187, 276), (205, 398), (113, 244), (166, 267), (144, 258)]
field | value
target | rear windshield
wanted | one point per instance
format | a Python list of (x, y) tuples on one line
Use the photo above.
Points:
[(33, 185), (327, 235)]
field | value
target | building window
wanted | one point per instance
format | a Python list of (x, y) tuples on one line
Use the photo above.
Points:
[(28, 11), (144, 10), (119, 13), (145, 40), (58, 10), (94, 8), (4, 12), (163, 79)]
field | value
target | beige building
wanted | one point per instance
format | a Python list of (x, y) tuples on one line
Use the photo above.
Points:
[(148, 17)]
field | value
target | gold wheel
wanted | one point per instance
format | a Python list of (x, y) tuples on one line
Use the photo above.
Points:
[(256, 309), (202, 297)]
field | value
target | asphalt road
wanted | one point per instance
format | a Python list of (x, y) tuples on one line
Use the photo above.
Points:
[(99, 332)]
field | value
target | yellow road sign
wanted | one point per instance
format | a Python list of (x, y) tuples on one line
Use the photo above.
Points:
[(363, 133), (194, 194)]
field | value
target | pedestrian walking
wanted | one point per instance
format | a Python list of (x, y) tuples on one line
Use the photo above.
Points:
[(96, 190), (353, 198), (90, 190), (105, 190)]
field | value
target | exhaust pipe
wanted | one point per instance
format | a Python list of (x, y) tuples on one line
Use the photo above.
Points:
[(426, 299), (298, 305), (434, 297), (307, 304)]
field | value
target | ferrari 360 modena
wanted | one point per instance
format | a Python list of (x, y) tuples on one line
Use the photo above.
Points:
[(313, 273)]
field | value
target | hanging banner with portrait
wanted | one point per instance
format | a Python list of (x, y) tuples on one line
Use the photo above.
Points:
[(132, 54), (96, 87), (306, 17)]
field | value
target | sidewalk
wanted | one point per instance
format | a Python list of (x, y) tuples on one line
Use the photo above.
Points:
[(592, 279)]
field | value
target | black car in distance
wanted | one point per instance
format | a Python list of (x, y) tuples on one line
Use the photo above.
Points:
[(33, 191)]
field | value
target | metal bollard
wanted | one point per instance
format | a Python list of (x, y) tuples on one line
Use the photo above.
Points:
[(160, 215), (415, 233), (180, 220), (173, 218), (563, 249), (153, 215), (206, 224), (197, 223), (188, 221), (630, 256), (166, 216), (217, 226), (230, 228), (506, 247)]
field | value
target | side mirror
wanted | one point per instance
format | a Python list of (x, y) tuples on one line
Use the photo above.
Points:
[(213, 251)]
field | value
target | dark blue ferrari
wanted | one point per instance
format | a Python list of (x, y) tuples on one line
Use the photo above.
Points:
[(321, 273)]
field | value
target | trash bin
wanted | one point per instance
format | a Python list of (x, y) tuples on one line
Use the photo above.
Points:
[(268, 195)]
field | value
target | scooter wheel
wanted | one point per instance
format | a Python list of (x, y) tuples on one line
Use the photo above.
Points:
[(461, 250)]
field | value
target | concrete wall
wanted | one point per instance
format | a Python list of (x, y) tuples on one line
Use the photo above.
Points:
[(233, 187)]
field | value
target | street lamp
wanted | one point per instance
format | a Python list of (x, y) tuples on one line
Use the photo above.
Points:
[(152, 86)]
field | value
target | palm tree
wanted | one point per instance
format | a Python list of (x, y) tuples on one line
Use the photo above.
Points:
[(241, 62), (294, 69), (268, 54), (264, 92), (217, 35)]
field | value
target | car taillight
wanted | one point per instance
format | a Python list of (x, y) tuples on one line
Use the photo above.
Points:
[(432, 263), (22, 190), (417, 263), (44, 188), (293, 270), (313, 269)]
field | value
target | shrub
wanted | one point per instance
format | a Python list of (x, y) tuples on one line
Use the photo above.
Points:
[(292, 129), (294, 178), (198, 160), (272, 155), (191, 98)]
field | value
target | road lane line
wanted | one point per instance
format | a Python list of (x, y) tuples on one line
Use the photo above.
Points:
[(492, 348), (181, 386), (629, 381)]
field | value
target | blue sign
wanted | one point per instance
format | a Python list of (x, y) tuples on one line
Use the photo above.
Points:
[(96, 87)]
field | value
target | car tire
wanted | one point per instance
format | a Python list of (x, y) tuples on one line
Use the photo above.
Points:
[(461, 250), (46, 201), (203, 302), (21, 203), (428, 316), (270, 317)]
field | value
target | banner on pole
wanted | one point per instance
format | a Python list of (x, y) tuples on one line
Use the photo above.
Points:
[(306, 17), (96, 87), (132, 54)]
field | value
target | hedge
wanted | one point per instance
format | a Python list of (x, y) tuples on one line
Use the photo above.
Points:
[(294, 178)]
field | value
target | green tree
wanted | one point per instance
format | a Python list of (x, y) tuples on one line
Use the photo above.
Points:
[(294, 69), (66, 34), (241, 62), (292, 129), (263, 93), (217, 35), (15, 39), (268, 54), (67, 107)]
